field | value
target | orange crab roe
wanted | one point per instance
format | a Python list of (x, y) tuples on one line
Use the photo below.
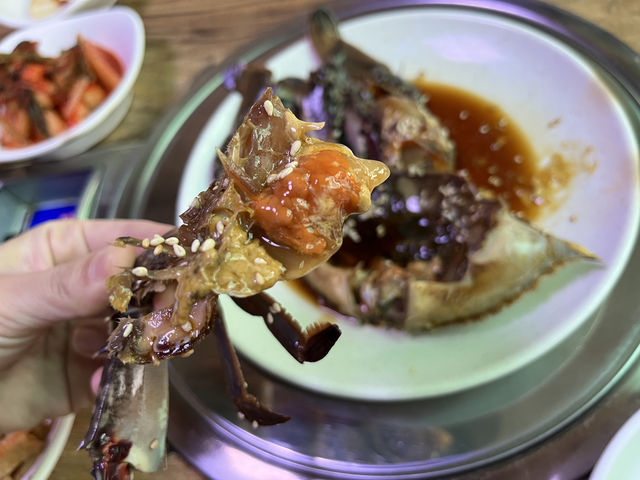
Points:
[(319, 186)]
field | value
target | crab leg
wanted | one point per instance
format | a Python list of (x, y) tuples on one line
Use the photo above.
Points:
[(329, 45), (247, 404), (129, 423), (309, 345)]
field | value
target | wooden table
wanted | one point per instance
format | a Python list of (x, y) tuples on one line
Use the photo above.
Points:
[(184, 37)]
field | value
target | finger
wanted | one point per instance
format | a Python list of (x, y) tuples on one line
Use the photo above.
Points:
[(89, 336), (60, 241), (95, 380), (36, 385), (164, 298), (99, 233), (80, 372), (75, 289)]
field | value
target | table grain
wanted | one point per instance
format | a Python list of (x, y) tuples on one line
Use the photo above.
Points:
[(186, 36)]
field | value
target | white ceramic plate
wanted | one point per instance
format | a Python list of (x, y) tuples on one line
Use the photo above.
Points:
[(535, 79), (16, 13), (55, 443), (620, 460), (120, 30)]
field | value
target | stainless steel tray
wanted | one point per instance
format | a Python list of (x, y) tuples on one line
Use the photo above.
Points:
[(552, 417)]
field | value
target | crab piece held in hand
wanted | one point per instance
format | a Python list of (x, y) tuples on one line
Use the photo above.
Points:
[(276, 214)]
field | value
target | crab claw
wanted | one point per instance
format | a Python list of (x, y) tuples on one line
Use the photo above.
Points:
[(309, 345)]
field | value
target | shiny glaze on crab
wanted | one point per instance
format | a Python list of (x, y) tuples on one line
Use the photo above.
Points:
[(276, 214)]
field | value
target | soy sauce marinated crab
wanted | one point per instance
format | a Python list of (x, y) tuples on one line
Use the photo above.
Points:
[(276, 213), (434, 249)]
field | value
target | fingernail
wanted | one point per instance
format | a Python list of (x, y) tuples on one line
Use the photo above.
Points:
[(98, 268), (87, 341), (107, 262)]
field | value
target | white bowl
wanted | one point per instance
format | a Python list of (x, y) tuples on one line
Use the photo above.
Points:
[(15, 13), (120, 30), (620, 461), (55, 443)]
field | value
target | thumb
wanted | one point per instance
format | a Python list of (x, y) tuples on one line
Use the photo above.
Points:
[(76, 289)]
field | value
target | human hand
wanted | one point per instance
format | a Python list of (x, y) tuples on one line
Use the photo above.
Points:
[(53, 302)]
